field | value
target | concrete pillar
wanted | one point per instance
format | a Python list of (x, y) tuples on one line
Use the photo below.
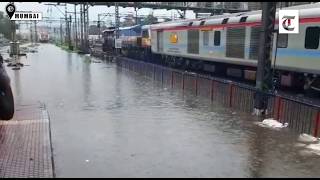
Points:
[(264, 75)]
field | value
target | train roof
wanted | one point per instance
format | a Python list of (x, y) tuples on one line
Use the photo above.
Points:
[(307, 10), (129, 27), (109, 29), (146, 26)]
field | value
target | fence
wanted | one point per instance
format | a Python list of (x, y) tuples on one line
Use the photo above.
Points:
[(303, 117)]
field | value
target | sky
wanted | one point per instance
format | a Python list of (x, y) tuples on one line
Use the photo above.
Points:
[(53, 12)]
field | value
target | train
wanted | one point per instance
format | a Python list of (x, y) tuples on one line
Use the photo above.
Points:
[(228, 45), (44, 37)]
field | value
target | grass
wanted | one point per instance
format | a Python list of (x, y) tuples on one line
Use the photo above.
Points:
[(66, 47)]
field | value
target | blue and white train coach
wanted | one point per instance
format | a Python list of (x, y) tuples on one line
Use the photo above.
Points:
[(229, 44)]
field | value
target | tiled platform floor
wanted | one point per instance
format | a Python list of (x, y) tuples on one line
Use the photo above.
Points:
[(25, 145)]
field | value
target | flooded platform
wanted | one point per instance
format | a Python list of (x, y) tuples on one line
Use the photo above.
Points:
[(107, 121)]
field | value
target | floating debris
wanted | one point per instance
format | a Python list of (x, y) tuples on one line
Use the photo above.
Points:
[(271, 123), (310, 144), (307, 138), (8, 60), (16, 68)]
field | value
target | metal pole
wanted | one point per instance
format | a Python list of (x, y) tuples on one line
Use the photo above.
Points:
[(61, 38), (75, 26), (66, 22), (31, 33), (87, 28), (99, 26), (35, 32), (84, 29), (78, 36), (13, 38), (81, 26), (264, 75), (117, 23), (136, 9), (69, 32)]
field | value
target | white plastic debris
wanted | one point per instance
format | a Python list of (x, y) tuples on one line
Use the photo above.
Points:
[(315, 147), (87, 160), (310, 144), (307, 138), (272, 123), (300, 145)]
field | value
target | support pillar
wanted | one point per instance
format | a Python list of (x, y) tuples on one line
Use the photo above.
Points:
[(81, 26), (35, 32), (75, 27), (264, 75), (69, 33), (117, 20), (87, 28)]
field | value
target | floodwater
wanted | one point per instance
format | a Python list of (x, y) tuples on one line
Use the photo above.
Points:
[(110, 122)]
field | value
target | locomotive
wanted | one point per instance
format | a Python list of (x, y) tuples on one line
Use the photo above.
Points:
[(44, 37), (228, 45)]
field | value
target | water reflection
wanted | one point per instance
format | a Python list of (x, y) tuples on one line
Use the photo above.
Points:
[(69, 63), (118, 104), (17, 87), (86, 85), (257, 151), (139, 129)]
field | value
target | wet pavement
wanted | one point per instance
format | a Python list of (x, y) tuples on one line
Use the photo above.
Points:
[(25, 146), (110, 122)]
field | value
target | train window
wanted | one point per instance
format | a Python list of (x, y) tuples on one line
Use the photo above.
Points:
[(312, 38), (282, 40), (205, 38), (217, 37), (225, 21), (254, 42), (243, 19), (202, 23), (145, 34), (190, 24)]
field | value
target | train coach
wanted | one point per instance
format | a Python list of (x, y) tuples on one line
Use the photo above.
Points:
[(228, 44), (130, 38)]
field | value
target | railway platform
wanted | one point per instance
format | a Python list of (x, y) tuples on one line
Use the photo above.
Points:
[(25, 144)]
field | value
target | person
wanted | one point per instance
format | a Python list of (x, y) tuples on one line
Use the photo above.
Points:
[(6, 96)]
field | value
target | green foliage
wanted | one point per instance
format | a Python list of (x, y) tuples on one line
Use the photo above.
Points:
[(150, 19), (5, 25)]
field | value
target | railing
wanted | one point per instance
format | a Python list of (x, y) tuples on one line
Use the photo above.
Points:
[(302, 116)]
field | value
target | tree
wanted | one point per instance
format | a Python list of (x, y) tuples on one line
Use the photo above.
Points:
[(5, 25), (128, 21), (150, 19)]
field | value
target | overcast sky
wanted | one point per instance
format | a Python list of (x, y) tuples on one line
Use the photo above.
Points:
[(52, 11)]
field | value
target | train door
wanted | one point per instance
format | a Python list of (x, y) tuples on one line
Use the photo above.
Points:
[(193, 41), (160, 41)]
